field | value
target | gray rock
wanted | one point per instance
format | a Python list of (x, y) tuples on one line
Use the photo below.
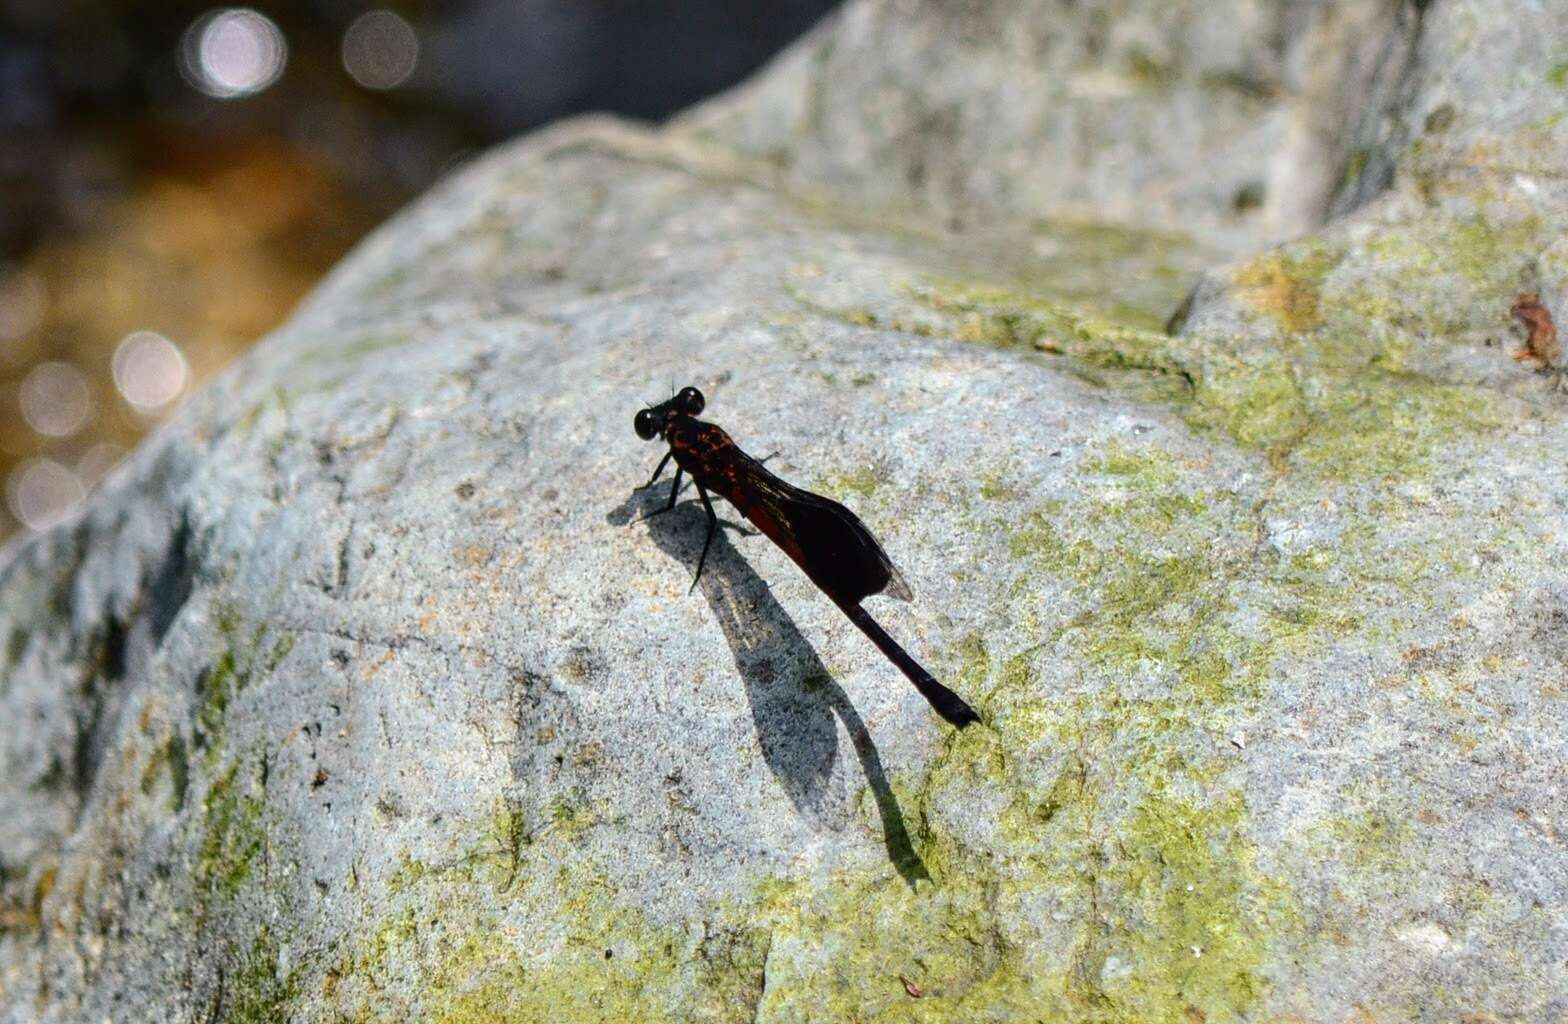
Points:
[(1234, 118), (361, 693)]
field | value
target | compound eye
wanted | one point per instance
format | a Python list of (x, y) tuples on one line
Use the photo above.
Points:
[(690, 401), (647, 425)]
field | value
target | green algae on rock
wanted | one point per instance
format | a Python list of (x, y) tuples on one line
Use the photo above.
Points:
[(364, 693)]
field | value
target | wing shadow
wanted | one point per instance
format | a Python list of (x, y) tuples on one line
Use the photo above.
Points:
[(793, 697)]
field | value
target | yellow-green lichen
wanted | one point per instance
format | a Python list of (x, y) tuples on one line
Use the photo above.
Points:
[(1259, 403), (1188, 936), (570, 819), (862, 481), (611, 966), (1392, 429), (1008, 319), (214, 689), (1138, 843), (1144, 468), (1256, 400), (453, 955), (1150, 911), (1286, 283), (509, 838), (1345, 390), (1437, 278), (1138, 602), (410, 872), (844, 952), (1346, 345), (280, 650), (1139, 884), (1487, 250)]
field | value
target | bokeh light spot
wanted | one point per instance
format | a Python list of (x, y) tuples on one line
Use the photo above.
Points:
[(233, 52), (42, 492), (380, 50), (55, 399), (149, 370)]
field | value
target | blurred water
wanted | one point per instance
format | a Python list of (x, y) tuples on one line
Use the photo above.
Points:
[(175, 176)]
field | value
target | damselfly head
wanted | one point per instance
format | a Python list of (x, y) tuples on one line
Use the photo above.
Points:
[(654, 420), (689, 401)]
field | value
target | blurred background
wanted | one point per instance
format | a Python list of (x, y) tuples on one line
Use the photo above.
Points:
[(175, 176)]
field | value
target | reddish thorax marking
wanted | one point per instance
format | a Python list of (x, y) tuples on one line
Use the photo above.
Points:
[(717, 463)]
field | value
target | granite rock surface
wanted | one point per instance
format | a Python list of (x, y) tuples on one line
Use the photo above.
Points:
[(362, 693)]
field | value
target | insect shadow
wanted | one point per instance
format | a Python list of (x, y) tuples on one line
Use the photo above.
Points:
[(793, 697)]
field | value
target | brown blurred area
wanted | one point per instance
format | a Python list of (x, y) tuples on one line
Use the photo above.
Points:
[(209, 251), (175, 177)]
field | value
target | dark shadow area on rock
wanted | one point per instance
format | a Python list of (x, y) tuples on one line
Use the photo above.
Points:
[(793, 697)]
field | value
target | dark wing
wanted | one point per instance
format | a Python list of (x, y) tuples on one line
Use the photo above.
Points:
[(824, 538)]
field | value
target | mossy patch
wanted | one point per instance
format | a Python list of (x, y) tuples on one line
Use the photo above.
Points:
[(233, 836), (1119, 947), (1257, 401), (610, 966), (1348, 347), (1355, 165), (1143, 468), (240, 658), (510, 838), (280, 649), (172, 759), (1138, 839), (1419, 287), (215, 686), (21, 905), (255, 992)]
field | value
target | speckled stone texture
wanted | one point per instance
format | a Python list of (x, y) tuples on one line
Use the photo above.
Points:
[(361, 693)]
